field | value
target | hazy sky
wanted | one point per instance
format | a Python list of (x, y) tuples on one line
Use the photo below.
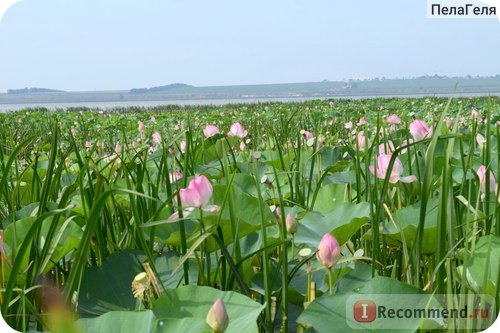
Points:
[(121, 44)]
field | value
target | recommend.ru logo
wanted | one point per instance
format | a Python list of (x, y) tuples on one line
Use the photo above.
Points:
[(364, 311), (412, 311)]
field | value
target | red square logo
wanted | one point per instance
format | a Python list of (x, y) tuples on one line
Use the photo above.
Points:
[(365, 311)]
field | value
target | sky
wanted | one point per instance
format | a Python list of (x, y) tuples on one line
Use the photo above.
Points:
[(87, 45)]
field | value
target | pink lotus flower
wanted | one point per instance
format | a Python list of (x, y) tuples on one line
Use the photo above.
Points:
[(393, 119), (362, 121), (88, 144), (481, 173), (328, 251), (238, 130), (217, 317), (419, 130), (156, 138), (198, 193), (396, 172), (210, 130)]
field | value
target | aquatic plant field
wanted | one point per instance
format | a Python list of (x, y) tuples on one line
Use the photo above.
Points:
[(274, 217)]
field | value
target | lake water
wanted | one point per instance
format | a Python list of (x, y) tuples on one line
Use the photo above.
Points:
[(145, 104), (216, 102)]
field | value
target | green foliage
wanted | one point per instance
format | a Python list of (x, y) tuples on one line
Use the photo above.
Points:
[(186, 306), (88, 197)]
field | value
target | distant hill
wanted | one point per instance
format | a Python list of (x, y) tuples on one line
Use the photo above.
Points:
[(31, 90), (349, 88), (168, 87)]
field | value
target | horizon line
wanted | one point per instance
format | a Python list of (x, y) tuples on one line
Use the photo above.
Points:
[(344, 80)]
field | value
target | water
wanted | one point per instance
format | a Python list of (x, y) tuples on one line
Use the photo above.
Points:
[(121, 104), (215, 102)]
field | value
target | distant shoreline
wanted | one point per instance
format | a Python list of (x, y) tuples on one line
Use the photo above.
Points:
[(107, 105), (183, 94)]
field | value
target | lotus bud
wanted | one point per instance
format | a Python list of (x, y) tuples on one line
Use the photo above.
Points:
[(156, 137), (481, 173), (291, 223), (328, 251), (277, 214), (481, 141), (243, 146), (217, 317), (183, 146), (140, 127)]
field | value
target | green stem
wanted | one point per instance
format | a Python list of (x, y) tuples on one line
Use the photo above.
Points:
[(182, 231), (206, 254), (284, 268), (309, 280), (265, 262), (330, 280)]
